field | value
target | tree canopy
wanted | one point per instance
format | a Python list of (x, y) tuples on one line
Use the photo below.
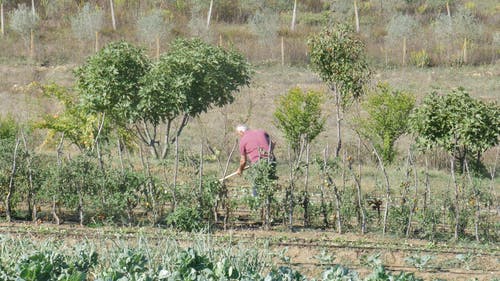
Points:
[(338, 56), (457, 123), (388, 110), (108, 82), (299, 116), (193, 77)]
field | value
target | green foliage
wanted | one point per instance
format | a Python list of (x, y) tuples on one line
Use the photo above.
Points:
[(73, 179), (338, 56), (121, 193), (388, 111), (284, 273), (108, 82), (185, 218), (192, 78), (45, 262), (8, 128), (456, 122), (87, 22), (420, 262), (420, 58), (263, 176), (78, 125), (339, 273), (299, 116)]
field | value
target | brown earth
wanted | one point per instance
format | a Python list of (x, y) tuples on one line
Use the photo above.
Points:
[(303, 246)]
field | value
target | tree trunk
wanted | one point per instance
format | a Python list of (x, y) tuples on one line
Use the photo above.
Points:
[(457, 210), (448, 9), (294, 15), (150, 185), (8, 208), (200, 185), (223, 196), (113, 20), (209, 16), (33, 11), (80, 206), (2, 23), (387, 189), (305, 202), (166, 141), (338, 105), (427, 194), (360, 199), (290, 190), (415, 197), (475, 194), (31, 190), (54, 211), (356, 16)]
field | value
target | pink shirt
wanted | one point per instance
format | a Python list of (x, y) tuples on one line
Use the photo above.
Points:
[(250, 143)]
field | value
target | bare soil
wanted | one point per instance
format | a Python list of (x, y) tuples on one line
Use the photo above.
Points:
[(303, 246)]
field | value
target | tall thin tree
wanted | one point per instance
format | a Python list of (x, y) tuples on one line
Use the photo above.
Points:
[(2, 23), (112, 8), (209, 16)]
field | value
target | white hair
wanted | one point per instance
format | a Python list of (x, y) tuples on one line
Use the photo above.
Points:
[(242, 128)]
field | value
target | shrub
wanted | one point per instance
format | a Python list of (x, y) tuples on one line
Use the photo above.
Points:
[(87, 22), (23, 21), (420, 58), (152, 26), (185, 218)]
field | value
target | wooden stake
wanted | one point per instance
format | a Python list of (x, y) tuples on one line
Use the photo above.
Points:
[(282, 51), (404, 51), (356, 16), (97, 41), (465, 50), (157, 47), (32, 44)]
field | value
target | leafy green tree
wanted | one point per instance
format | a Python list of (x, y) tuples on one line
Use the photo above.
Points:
[(108, 82), (300, 117), (75, 123), (189, 80), (458, 123), (338, 56), (387, 118)]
